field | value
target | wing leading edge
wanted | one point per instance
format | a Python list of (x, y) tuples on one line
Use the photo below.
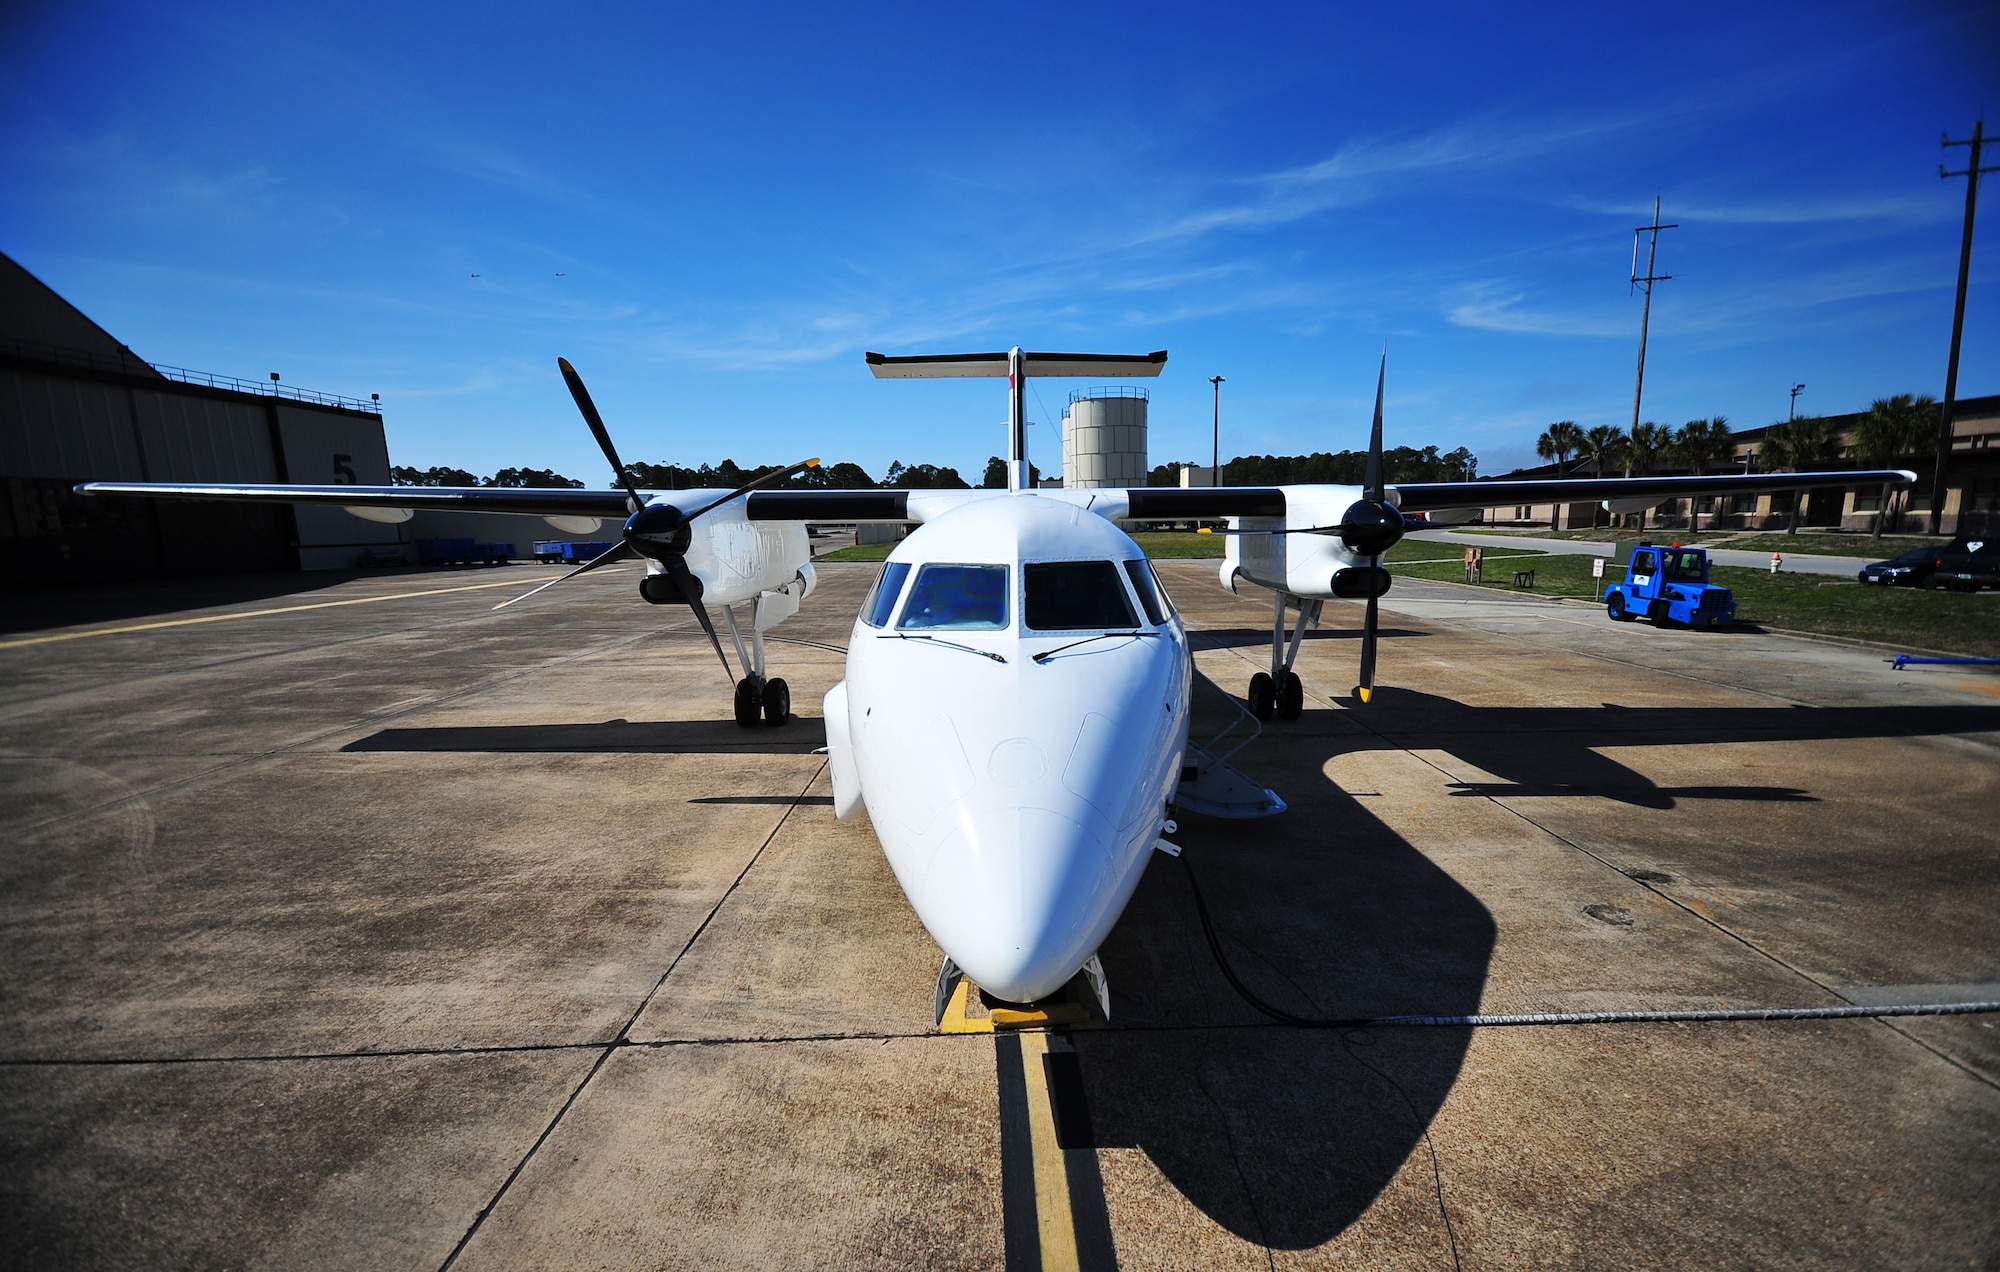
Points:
[(524, 500)]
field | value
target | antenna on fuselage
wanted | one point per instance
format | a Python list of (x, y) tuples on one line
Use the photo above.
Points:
[(1017, 367)]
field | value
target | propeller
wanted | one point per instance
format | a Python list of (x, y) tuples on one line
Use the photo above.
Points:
[(658, 532), (1373, 525)]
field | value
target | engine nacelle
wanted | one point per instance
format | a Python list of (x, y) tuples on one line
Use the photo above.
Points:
[(1360, 582)]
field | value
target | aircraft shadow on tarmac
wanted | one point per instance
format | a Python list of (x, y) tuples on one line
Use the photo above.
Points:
[(1285, 1136), (801, 736)]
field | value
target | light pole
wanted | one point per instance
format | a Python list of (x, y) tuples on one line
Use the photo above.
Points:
[(1796, 390), (1215, 440)]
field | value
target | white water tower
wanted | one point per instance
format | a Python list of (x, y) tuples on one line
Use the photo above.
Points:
[(1104, 438)]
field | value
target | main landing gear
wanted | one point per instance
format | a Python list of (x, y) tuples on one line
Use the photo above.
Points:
[(761, 697), (1278, 692)]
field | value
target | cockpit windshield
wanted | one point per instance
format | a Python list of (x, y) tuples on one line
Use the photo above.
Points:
[(1141, 574), (1684, 567), (1067, 596), (888, 590), (965, 598)]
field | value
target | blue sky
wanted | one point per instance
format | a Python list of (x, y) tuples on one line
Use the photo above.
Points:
[(714, 210)]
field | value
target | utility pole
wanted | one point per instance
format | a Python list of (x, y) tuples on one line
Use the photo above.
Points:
[(1971, 175), (1215, 442), (1794, 412), (1646, 314)]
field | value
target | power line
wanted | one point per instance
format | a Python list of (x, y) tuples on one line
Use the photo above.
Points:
[(1646, 314), (1971, 174)]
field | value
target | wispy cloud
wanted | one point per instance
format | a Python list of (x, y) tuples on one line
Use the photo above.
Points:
[(1502, 306), (1362, 170), (1902, 209)]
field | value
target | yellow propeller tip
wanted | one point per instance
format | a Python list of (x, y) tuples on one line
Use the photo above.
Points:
[(813, 462), (1204, 530), (1366, 694)]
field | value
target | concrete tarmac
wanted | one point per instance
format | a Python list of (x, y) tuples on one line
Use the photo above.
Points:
[(363, 926)]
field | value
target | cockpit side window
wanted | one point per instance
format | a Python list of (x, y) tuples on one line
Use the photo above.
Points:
[(965, 598), (1067, 596), (1149, 596), (888, 588)]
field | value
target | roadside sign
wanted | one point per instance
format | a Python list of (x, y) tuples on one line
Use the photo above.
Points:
[(1597, 567)]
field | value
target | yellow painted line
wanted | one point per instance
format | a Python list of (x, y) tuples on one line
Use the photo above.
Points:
[(1052, 1208), (263, 613)]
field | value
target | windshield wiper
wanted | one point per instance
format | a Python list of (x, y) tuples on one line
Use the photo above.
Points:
[(1047, 654), (939, 640)]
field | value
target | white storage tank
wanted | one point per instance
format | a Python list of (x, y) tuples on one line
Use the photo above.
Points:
[(1104, 438)]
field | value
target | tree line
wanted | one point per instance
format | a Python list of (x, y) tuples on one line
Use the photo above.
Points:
[(1344, 468), (726, 475)]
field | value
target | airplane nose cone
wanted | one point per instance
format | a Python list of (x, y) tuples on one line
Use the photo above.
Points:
[(1017, 891)]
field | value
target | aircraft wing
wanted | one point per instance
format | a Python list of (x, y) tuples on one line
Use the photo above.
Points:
[(1426, 496), (524, 500)]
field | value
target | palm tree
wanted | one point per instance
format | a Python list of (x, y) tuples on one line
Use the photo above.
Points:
[(1605, 442), (1891, 428), (1798, 445), (1645, 445), (1699, 443), (1559, 441)]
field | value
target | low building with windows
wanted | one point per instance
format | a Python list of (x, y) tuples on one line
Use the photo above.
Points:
[(1972, 492)]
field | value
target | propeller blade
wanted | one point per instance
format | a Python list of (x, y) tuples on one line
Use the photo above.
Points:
[(1366, 689), (1371, 481), (603, 558), (768, 479), (597, 430), (690, 588)]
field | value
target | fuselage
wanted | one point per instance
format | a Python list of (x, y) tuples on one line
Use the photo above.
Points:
[(1014, 717)]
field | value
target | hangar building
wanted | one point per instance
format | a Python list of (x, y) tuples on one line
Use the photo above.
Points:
[(76, 405)]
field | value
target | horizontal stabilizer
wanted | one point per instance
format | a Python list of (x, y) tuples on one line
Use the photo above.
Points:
[(960, 366)]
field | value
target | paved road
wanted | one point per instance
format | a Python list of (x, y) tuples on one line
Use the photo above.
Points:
[(1800, 564)]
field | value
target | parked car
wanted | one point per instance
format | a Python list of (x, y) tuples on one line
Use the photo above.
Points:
[(1912, 569), (1966, 565)]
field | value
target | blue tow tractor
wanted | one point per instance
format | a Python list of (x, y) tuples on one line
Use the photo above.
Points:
[(1669, 585)]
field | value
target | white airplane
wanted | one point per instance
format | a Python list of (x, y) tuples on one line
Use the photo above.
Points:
[(1014, 717)]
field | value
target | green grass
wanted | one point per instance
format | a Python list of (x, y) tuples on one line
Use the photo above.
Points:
[(859, 552), (1170, 544), (1956, 622), (1904, 617)]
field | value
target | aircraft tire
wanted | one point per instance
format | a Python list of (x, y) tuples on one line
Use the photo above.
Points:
[(777, 702), (1291, 697), (749, 703), (1263, 696)]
